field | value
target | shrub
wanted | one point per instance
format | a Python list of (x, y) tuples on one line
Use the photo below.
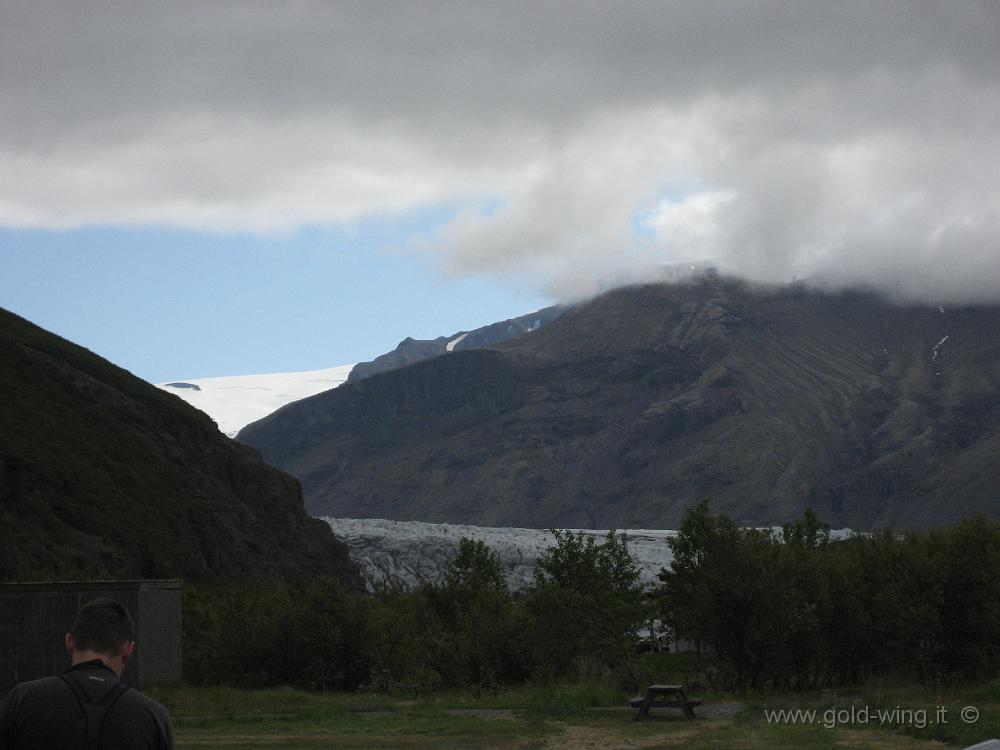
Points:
[(584, 607)]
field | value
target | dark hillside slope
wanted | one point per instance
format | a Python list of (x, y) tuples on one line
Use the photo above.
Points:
[(102, 474), (629, 408)]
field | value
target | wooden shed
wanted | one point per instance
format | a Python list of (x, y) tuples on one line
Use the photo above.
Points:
[(35, 617)]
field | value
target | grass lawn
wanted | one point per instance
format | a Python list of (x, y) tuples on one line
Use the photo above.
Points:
[(571, 717)]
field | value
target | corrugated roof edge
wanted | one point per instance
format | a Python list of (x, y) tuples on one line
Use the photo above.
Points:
[(131, 584)]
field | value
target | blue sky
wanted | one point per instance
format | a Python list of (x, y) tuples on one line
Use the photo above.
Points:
[(168, 304)]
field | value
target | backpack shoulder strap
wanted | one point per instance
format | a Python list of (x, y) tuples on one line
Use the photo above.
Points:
[(94, 714), (108, 703), (82, 701)]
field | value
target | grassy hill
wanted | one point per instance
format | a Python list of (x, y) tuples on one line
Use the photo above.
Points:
[(103, 474)]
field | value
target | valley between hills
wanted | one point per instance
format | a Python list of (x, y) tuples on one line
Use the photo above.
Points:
[(618, 412)]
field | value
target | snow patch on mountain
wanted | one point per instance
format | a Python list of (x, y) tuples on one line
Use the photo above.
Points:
[(455, 342), (937, 346), (237, 400)]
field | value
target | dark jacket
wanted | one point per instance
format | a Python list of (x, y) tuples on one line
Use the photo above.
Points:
[(86, 708)]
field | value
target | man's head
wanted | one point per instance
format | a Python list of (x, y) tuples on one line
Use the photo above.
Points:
[(103, 630)]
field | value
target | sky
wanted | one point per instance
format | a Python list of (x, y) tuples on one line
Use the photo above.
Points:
[(198, 189)]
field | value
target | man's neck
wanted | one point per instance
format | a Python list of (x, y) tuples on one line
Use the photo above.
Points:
[(114, 663)]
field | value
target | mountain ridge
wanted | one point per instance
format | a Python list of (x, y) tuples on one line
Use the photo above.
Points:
[(411, 350)]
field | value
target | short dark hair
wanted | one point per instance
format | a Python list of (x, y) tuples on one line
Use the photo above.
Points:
[(102, 625)]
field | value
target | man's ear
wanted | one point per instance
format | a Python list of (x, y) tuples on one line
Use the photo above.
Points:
[(70, 644), (127, 650)]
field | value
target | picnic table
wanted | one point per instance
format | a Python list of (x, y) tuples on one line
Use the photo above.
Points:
[(664, 696)]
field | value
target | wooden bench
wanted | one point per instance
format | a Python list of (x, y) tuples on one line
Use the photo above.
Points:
[(654, 699)]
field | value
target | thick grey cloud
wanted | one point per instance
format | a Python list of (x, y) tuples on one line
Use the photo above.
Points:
[(853, 142)]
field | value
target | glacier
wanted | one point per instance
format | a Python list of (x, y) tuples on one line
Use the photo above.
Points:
[(411, 553), (237, 400)]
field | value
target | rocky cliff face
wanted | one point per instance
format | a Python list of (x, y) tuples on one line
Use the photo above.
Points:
[(629, 408), (104, 475)]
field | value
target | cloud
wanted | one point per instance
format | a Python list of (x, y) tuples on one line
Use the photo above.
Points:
[(851, 143)]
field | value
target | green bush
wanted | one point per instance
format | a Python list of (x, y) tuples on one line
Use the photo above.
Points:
[(788, 611), (584, 609), (796, 611), (258, 635)]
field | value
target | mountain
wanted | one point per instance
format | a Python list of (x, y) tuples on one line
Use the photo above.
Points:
[(103, 475), (412, 350), (237, 400), (629, 408)]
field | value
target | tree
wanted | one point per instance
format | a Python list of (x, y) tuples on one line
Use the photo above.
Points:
[(798, 610), (477, 612), (406, 639), (475, 567), (728, 588), (585, 605), (807, 533)]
